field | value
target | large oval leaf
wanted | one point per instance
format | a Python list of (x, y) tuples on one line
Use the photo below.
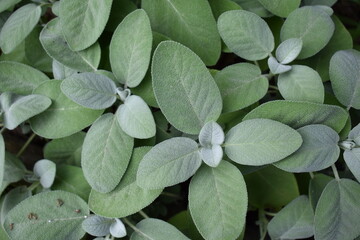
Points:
[(299, 114), (55, 45), (337, 212), (130, 48), (281, 8), (188, 22), (136, 198), (261, 141), (168, 163), (106, 153), (241, 85), (184, 88), (83, 21), (18, 26), (318, 151), (345, 77), (63, 117), (312, 25), (19, 78), (90, 90), (135, 118), (222, 189), (246, 34)]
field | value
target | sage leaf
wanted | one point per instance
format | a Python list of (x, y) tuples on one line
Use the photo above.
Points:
[(40, 217), (241, 85), (135, 118), (187, 22), (316, 187), (90, 90), (254, 7), (19, 78), (211, 155), (6, 4), (106, 153), (288, 50), (219, 7), (60, 71), (312, 25), (97, 226), (151, 228), (354, 134), (186, 104), (299, 114), (64, 117), (281, 8), (117, 229), (302, 83), (2, 159), (168, 163), (136, 198), (83, 21), (221, 188), (14, 169), (345, 77), (18, 26), (45, 170), (320, 2), (253, 40), (276, 67), (318, 151), (211, 134), (294, 221), (352, 159), (119, 10), (261, 141), (130, 48), (338, 211)]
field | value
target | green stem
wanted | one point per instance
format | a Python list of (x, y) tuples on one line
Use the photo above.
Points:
[(311, 175), (263, 222), (335, 171), (125, 220), (171, 195), (33, 186), (274, 87), (142, 213), (2, 130), (21, 151), (256, 63), (270, 214)]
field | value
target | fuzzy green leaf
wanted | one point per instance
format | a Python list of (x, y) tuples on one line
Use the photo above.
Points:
[(117, 229), (276, 67), (6, 4), (45, 170), (211, 134), (212, 155), (60, 71), (352, 159), (2, 159), (281, 8), (97, 226), (316, 187), (289, 50)]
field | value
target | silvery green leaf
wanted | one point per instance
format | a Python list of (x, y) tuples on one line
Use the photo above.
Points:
[(90, 90), (338, 211), (97, 226), (294, 221), (316, 187), (312, 25), (45, 170), (130, 48), (55, 215), (218, 201), (56, 8), (302, 83), (151, 228), (354, 134), (212, 155), (2, 159), (13, 198), (288, 50), (186, 105), (211, 134), (345, 77), (18, 109), (320, 2), (60, 71), (18, 26), (252, 41), (19, 78), (83, 21), (14, 169), (255, 7), (135, 118), (276, 67), (352, 159), (117, 229), (261, 141), (188, 22), (3, 17), (106, 145), (281, 8), (318, 151), (326, 9), (56, 47), (168, 163), (6, 4)]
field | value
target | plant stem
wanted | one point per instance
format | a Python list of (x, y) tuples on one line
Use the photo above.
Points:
[(263, 222), (125, 220), (2, 130), (25, 145), (336, 174), (274, 87), (171, 195), (257, 63), (311, 175), (142, 213), (33, 186), (270, 214)]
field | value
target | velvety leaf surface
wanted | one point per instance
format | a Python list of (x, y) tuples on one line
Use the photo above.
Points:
[(316, 187), (5, 4), (288, 50), (281, 8)]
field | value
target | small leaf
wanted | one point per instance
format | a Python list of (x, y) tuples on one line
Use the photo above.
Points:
[(90, 90), (294, 221), (255, 7), (60, 71), (168, 163), (40, 217), (345, 77), (106, 153), (288, 50), (211, 134), (352, 159), (253, 40), (212, 155), (222, 189), (45, 170), (316, 187), (13, 198), (18, 109), (302, 83), (97, 226), (276, 67), (130, 48), (354, 134), (135, 118), (117, 229), (261, 141), (326, 9), (83, 21), (281, 8), (151, 228), (14, 169), (18, 26)]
